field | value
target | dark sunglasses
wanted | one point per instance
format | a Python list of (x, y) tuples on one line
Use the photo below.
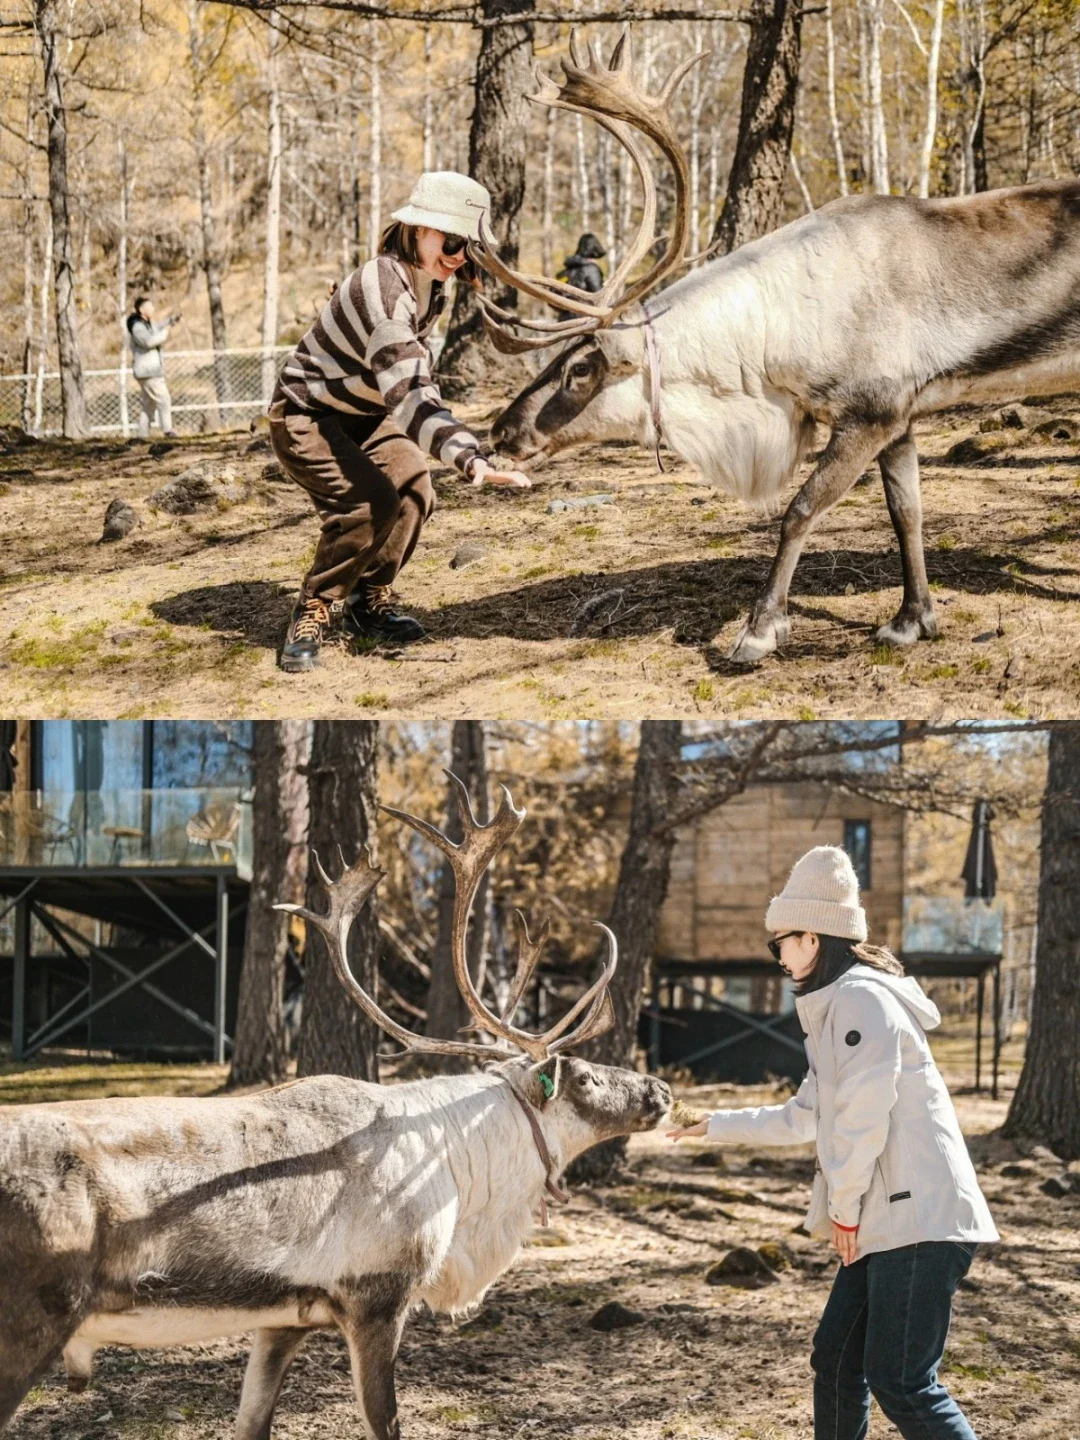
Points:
[(774, 944), (454, 244)]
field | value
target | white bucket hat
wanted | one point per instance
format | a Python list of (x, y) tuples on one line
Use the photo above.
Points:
[(821, 895), (446, 201)]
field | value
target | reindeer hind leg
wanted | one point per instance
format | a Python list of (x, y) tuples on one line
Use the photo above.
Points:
[(271, 1355), (915, 620)]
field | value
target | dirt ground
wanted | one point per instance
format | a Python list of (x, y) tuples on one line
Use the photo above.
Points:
[(620, 609), (705, 1362)]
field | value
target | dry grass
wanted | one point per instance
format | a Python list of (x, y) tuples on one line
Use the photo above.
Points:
[(184, 617)]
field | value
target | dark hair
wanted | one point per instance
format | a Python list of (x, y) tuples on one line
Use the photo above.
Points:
[(836, 956), (589, 247), (400, 239), (136, 310)]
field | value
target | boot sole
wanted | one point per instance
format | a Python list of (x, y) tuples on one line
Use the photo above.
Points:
[(299, 665)]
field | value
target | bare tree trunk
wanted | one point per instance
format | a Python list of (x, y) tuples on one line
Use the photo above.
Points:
[(755, 194), (29, 232), (335, 1037), (375, 140), (122, 282), (279, 871), (582, 159), (446, 1010), (211, 251), (547, 251), (428, 151), (43, 343), (635, 912), (498, 143), (830, 84), (67, 336), (933, 62), (272, 265), (1046, 1105), (879, 144)]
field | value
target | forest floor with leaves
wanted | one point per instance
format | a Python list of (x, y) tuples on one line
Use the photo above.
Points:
[(613, 609), (700, 1361)]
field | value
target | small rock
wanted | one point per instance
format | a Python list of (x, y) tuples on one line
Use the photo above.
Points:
[(258, 446), (975, 449), (742, 1267), (173, 1414), (209, 485), (273, 472), (849, 588), (1016, 1171), (1059, 428), (160, 447), (124, 637), (579, 502), (467, 555), (615, 1316), (677, 1307), (120, 520), (776, 1255), (984, 637), (605, 605), (1057, 1186)]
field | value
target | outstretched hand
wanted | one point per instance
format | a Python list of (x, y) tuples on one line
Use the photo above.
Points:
[(682, 1131), (484, 474)]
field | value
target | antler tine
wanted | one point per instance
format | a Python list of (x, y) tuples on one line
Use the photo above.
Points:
[(592, 1001), (540, 287), (529, 952), (345, 899)]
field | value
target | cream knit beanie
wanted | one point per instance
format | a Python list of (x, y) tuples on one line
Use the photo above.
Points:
[(822, 895)]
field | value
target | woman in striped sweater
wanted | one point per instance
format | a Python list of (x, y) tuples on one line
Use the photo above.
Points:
[(356, 413)]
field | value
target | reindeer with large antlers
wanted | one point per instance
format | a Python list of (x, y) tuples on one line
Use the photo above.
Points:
[(863, 316), (325, 1202)]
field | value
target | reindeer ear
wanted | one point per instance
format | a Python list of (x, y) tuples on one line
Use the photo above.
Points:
[(544, 1080)]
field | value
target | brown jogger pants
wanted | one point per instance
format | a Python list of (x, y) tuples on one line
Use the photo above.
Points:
[(370, 486)]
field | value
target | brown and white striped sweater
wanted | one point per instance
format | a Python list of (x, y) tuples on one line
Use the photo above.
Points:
[(365, 355)]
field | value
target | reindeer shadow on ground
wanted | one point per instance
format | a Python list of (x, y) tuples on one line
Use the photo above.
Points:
[(693, 599)]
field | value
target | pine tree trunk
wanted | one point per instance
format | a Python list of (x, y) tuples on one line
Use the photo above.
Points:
[(635, 912), (498, 143), (335, 1037), (272, 263), (755, 194), (447, 1012), (279, 870), (1046, 1105), (67, 337)]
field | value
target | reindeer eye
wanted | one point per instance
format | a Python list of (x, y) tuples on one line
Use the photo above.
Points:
[(581, 369)]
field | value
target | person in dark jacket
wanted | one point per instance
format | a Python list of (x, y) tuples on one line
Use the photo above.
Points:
[(581, 269)]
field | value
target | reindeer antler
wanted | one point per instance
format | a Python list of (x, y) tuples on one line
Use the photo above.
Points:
[(469, 861), (609, 95)]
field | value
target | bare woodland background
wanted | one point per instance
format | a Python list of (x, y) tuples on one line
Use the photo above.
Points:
[(232, 160)]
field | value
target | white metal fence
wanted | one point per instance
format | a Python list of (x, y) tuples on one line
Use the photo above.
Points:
[(210, 391)]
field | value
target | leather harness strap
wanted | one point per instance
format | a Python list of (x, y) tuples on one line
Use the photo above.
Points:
[(652, 360), (551, 1184)]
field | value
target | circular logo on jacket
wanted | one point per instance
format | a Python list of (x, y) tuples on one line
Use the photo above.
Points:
[(852, 1037)]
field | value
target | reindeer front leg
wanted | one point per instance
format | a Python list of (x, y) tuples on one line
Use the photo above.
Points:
[(271, 1355), (915, 620), (373, 1345), (846, 456)]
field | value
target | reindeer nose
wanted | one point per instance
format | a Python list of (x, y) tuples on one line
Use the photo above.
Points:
[(660, 1094)]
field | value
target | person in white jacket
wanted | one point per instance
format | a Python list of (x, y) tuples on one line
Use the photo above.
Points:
[(895, 1190), (148, 367)]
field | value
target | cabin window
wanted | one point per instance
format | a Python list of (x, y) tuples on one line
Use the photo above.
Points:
[(857, 845)]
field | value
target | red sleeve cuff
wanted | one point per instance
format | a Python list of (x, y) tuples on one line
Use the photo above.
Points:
[(850, 1228)]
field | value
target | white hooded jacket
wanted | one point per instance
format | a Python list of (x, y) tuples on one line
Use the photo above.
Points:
[(891, 1157)]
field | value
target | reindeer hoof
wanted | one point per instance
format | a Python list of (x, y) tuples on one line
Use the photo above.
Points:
[(906, 628), (77, 1383), (759, 638)]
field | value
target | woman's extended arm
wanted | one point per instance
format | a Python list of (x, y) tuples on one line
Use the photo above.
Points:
[(793, 1123)]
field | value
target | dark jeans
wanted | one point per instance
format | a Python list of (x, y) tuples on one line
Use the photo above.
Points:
[(883, 1333)]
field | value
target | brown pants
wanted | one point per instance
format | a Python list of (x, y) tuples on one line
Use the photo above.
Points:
[(370, 485)]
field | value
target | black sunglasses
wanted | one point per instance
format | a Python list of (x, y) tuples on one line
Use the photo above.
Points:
[(454, 244), (774, 944)]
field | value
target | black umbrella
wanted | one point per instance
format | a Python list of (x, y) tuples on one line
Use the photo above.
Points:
[(980, 869)]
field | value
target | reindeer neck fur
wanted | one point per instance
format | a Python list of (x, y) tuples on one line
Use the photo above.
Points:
[(499, 1180)]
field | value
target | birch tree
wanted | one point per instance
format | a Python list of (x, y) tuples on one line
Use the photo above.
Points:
[(272, 261), (201, 75)]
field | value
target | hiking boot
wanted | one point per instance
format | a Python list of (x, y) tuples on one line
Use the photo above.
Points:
[(304, 638), (370, 615)]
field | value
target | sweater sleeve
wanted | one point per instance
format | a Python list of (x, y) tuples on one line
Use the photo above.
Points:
[(866, 1037), (148, 337), (399, 361), (793, 1123)]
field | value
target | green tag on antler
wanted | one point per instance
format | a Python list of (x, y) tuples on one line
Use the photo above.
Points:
[(549, 1086)]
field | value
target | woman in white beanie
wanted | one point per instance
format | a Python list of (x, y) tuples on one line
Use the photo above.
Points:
[(895, 1190), (356, 412)]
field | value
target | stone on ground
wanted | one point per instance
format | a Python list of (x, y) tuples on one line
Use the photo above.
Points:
[(615, 1316), (120, 520), (742, 1267), (209, 485)]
